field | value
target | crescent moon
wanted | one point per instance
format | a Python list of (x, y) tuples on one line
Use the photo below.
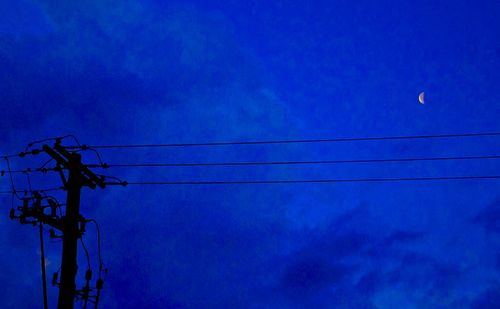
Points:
[(421, 98)]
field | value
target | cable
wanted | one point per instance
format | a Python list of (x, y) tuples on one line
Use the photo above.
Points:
[(52, 139), (352, 139), (36, 190), (37, 151), (105, 166), (29, 180), (42, 170), (3, 172), (22, 154), (86, 289), (14, 192), (45, 164), (110, 177), (11, 156), (99, 282), (295, 162), (51, 189), (309, 181), (96, 153), (12, 201), (101, 264), (86, 252)]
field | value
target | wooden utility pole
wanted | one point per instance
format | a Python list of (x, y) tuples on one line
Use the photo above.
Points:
[(74, 175), (71, 234), (79, 176)]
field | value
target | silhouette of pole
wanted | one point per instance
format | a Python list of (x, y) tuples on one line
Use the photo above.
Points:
[(71, 234), (44, 276)]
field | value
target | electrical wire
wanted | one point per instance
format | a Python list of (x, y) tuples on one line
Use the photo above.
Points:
[(42, 170), (3, 172), (110, 177), (350, 139), (22, 154), (51, 189), (37, 151), (52, 139), (28, 178), (295, 162), (96, 153), (36, 190), (11, 156), (309, 180), (86, 252), (13, 188), (101, 264), (12, 201), (45, 164)]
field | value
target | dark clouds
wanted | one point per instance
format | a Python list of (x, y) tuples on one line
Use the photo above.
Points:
[(489, 218), (488, 300), (175, 55)]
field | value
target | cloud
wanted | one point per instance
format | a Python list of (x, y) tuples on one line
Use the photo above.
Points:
[(353, 266), (489, 218), (420, 271), (489, 299), (313, 273), (177, 69)]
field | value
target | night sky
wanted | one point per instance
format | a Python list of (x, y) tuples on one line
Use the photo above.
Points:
[(142, 72)]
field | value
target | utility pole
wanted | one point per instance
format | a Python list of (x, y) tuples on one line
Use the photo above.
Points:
[(71, 224), (70, 237), (79, 176)]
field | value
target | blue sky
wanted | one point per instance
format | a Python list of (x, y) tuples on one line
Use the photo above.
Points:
[(115, 72)]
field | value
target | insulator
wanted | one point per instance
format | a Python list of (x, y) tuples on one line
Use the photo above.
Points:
[(54, 279), (52, 234), (53, 208), (82, 226), (88, 275), (99, 284)]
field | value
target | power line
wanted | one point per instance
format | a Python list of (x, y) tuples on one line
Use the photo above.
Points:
[(308, 181), (22, 154), (103, 165), (352, 139), (29, 170), (35, 190), (296, 162), (37, 151)]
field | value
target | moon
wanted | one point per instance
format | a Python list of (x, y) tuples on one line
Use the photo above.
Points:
[(421, 97)]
